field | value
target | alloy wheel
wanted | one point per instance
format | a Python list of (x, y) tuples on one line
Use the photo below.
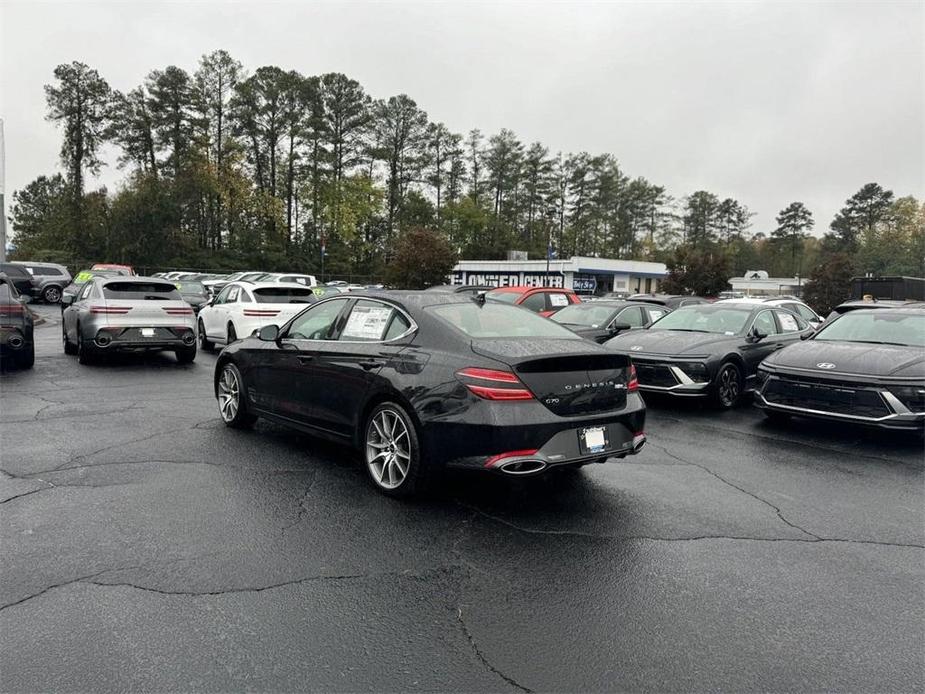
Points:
[(52, 295), (388, 449), (229, 394), (728, 385)]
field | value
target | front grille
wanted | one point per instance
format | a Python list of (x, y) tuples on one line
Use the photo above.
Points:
[(825, 396), (655, 375)]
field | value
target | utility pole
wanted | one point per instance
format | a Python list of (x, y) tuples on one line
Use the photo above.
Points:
[(2, 197)]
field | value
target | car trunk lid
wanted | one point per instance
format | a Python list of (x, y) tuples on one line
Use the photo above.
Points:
[(570, 377)]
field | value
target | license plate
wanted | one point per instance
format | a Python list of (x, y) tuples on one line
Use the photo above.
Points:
[(593, 439), (147, 332)]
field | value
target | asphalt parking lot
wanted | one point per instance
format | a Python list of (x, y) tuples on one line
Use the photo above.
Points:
[(146, 546)]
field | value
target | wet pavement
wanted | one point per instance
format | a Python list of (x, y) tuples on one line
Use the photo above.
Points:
[(146, 546)]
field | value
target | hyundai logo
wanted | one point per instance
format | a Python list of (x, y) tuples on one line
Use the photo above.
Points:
[(825, 365)]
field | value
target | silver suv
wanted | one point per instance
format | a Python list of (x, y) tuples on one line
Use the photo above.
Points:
[(50, 279)]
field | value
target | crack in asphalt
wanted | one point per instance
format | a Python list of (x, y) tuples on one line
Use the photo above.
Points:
[(79, 415), (302, 510), (481, 656), (814, 539), (722, 479)]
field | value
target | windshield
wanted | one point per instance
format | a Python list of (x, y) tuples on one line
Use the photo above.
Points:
[(141, 291), (590, 315), (504, 297), (876, 327), (706, 318), (191, 287), (498, 320), (284, 295)]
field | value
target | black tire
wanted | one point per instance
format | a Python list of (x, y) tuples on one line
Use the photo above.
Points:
[(51, 295), (383, 455), (727, 385), (776, 417), (232, 335), (204, 343), (85, 353), (68, 347), (237, 417), (26, 358), (186, 355)]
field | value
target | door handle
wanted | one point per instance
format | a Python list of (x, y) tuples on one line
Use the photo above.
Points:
[(370, 364), (305, 358)]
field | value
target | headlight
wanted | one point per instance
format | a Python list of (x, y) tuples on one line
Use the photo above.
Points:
[(912, 397), (696, 371)]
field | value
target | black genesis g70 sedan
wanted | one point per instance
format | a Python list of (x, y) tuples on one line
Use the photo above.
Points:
[(418, 381), (709, 349), (864, 367)]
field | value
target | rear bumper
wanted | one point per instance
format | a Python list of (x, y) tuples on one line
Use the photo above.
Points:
[(14, 339), (511, 433), (121, 338)]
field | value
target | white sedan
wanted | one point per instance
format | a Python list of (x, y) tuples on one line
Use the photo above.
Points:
[(243, 307)]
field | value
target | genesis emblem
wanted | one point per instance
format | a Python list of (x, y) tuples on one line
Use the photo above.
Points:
[(825, 365)]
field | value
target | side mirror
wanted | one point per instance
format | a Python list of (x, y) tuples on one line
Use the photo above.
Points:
[(755, 335), (67, 299), (619, 327), (268, 333), (25, 298)]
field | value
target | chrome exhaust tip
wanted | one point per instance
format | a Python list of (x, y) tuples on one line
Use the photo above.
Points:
[(523, 467), (15, 342), (188, 338), (639, 440), (103, 340)]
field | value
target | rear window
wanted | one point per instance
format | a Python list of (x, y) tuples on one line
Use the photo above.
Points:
[(141, 291), (284, 295), (191, 287), (498, 321), (506, 297), (47, 271)]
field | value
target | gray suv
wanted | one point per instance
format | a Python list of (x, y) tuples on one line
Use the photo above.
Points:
[(50, 279)]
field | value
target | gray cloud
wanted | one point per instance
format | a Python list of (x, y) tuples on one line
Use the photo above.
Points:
[(764, 102)]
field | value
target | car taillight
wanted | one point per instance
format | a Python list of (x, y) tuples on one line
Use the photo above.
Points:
[(260, 312), (632, 382), (12, 310), (491, 384), (179, 311), (110, 310)]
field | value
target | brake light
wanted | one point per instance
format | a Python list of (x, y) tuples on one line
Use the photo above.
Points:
[(12, 310), (491, 384), (110, 310), (632, 383), (179, 311), (493, 460), (260, 312)]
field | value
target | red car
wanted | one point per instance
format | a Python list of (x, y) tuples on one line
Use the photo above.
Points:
[(543, 300)]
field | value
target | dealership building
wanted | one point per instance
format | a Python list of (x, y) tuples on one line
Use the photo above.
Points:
[(758, 283), (584, 275)]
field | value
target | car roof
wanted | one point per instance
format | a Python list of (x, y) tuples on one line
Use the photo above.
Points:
[(133, 279), (917, 308), (758, 300), (524, 289), (270, 285)]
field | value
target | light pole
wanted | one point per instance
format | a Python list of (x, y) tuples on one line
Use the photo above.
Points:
[(550, 214), (2, 198)]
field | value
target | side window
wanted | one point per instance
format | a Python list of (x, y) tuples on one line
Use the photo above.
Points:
[(85, 292), (233, 295), (656, 313), (367, 322), (317, 323), (399, 326), (632, 316), (244, 297), (764, 321), (790, 323), (805, 312), (535, 302), (222, 296)]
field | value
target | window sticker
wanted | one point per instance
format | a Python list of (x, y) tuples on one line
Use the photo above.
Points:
[(83, 277), (787, 322), (558, 300), (366, 323)]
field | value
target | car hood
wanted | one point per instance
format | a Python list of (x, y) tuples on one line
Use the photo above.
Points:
[(669, 342), (852, 358)]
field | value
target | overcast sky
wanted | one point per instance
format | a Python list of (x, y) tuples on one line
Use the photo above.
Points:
[(764, 102)]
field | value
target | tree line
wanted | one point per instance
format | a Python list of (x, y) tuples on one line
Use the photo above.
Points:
[(227, 169)]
